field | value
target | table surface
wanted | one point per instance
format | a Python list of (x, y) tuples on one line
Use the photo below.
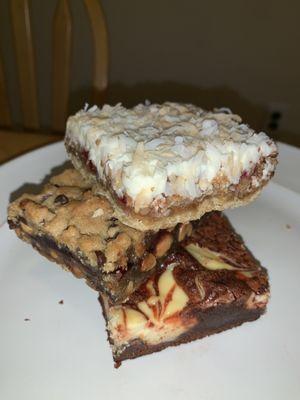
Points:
[(15, 143)]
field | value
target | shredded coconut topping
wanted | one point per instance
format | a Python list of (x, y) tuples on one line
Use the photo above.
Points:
[(153, 151)]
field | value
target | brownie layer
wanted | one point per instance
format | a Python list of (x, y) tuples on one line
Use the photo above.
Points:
[(210, 283), (211, 322)]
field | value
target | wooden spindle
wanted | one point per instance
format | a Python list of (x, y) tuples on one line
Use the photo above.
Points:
[(100, 39), (5, 116), (61, 64), (21, 25)]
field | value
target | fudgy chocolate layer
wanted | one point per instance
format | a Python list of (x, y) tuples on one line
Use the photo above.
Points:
[(209, 284), (113, 284), (211, 321)]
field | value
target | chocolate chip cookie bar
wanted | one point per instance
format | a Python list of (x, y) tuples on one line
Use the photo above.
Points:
[(209, 283), (70, 225), (163, 164)]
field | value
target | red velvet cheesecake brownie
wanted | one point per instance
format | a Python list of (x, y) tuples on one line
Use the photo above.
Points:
[(160, 165), (209, 283), (70, 225)]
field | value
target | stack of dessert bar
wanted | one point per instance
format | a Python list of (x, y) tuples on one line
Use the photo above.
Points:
[(139, 218)]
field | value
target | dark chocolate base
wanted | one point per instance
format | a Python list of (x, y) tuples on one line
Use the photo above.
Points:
[(210, 321), (48, 248), (117, 285), (110, 284)]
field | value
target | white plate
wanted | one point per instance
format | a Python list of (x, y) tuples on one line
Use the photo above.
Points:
[(29, 168), (62, 352), (287, 173)]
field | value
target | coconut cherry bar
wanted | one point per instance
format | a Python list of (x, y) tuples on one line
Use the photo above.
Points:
[(78, 230), (163, 164), (210, 283)]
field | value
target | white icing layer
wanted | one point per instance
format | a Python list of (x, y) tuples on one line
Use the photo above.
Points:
[(154, 151)]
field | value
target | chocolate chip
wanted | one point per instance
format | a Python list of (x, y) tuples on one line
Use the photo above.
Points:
[(100, 257), (12, 224), (113, 222), (26, 319), (61, 302), (61, 199), (23, 203)]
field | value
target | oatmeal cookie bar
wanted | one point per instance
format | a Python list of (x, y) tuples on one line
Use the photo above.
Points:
[(70, 225)]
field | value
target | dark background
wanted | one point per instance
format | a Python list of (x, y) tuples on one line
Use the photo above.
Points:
[(241, 54)]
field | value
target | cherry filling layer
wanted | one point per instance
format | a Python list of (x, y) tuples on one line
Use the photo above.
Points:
[(92, 168), (89, 164)]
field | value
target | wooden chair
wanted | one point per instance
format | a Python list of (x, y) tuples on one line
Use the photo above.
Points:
[(61, 63)]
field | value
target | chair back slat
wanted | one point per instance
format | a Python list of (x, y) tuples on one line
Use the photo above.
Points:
[(100, 39), (61, 64), (5, 117), (21, 25), (62, 27)]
